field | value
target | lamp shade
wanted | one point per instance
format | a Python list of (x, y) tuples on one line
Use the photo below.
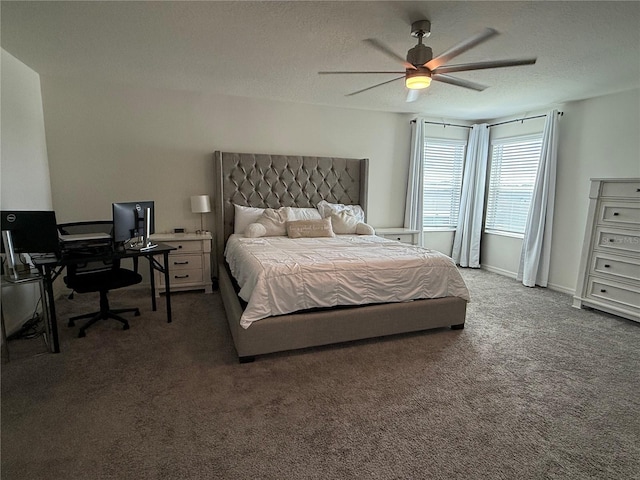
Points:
[(200, 204)]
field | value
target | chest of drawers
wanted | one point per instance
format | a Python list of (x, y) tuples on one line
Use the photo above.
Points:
[(609, 278), (189, 263)]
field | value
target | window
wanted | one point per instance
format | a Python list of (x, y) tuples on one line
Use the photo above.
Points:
[(442, 182), (514, 165)]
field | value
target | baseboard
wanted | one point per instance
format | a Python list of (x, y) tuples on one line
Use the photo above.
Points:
[(514, 275)]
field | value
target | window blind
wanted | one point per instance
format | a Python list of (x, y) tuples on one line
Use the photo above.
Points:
[(442, 181), (514, 166)]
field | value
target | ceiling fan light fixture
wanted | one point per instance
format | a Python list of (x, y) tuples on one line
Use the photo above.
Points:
[(418, 82)]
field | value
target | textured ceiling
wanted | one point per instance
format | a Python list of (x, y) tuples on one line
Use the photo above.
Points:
[(275, 49)]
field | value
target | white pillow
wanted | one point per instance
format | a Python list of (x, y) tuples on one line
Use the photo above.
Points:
[(274, 222), (365, 229), (255, 230), (327, 209), (344, 222), (244, 216), (299, 213)]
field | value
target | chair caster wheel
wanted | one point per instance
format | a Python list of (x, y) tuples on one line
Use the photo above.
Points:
[(137, 313), (82, 334), (71, 324), (125, 327)]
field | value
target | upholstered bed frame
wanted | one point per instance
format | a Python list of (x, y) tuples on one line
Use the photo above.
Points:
[(272, 181)]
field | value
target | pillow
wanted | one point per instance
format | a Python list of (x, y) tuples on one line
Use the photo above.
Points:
[(244, 216), (274, 222), (327, 209), (310, 228), (298, 213), (255, 230), (344, 222), (365, 229)]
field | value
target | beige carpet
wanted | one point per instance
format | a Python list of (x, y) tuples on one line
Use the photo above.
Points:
[(530, 389)]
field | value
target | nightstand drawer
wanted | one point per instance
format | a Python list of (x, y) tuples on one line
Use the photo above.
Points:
[(183, 277), (184, 262), (404, 238), (628, 189), (185, 246)]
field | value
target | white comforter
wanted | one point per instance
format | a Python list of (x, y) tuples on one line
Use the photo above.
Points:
[(279, 275)]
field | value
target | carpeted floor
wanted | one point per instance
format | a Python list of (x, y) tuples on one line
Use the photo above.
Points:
[(531, 389)]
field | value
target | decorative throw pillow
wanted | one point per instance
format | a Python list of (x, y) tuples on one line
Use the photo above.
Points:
[(327, 209), (344, 222), (255, 230), (365, 229), (244, 216), (310, 228), (274, 222), (302, 213)]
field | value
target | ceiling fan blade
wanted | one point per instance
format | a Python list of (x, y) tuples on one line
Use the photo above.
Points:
[(412, 95), (461, 47), (388, 52), (374, 86), (349, 73), (459, 82), (463, 67)]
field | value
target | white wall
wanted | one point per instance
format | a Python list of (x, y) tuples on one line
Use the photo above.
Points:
[(599, 137), (24, 170), (116, 143)]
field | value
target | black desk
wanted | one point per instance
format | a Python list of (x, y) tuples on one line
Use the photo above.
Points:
[(51, 268)]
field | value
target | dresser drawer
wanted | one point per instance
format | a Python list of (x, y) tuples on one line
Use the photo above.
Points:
[(614, 292), (608, 239), (627, 268), (629, 189), (619, 213)]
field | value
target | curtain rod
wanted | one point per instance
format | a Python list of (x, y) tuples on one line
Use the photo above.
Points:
[(444, 124), (520, 120), (490, 125)]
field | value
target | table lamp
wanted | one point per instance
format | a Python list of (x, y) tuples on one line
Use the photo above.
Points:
[(201, 204)]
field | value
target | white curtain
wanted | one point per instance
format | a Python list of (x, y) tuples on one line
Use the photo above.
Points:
[(466, 242), (536, 245), (413, 206)]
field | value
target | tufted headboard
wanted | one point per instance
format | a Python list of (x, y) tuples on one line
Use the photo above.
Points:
[(272, 181)]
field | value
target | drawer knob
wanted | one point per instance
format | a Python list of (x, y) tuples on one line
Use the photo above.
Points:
[(602, 290), (181, 276), (607, 265), (615, 214), (181, 263), (611, 240), (179, 246)]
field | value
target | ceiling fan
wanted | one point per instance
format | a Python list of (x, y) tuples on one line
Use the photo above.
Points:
[(421, 68)]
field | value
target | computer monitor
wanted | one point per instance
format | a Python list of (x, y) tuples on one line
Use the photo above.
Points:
[(133, 221), (31, 232)]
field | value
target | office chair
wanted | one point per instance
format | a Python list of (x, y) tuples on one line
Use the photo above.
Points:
[(98, 276)]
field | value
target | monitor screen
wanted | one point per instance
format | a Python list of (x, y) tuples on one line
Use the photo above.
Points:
[(129, 220), (31, 231)]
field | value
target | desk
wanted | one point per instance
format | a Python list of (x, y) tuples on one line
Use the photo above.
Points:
[(32, 278), (51, 268)]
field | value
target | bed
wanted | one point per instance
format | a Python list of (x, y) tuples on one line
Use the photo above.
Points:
[(273, 181)]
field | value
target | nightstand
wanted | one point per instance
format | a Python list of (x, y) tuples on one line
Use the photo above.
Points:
[(404, 235), (190, 262)]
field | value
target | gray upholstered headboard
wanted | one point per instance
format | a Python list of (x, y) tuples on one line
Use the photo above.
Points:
[(272, 181)]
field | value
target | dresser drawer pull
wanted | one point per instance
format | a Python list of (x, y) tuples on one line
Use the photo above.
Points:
[(181, 263), (181, 276), (607, 265), (637, 189), (602, 290), (615, 214), (612, 240), (179, 246)]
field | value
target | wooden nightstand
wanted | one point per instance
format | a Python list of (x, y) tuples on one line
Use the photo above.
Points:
[(190, 262), (404, 235)]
